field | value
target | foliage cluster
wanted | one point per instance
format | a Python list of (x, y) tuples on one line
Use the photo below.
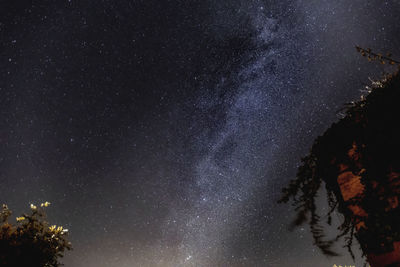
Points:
[(371, 125), (31, 241)]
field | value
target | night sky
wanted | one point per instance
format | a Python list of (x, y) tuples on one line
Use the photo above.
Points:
[(163, 131)]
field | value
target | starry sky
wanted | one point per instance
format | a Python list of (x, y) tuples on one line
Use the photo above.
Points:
[(162, 132)]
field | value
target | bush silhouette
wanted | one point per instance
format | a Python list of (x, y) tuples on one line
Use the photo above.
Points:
[(31, 241)]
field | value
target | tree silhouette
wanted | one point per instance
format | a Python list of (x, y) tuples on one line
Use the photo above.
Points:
[(357, 159), (31, 241)]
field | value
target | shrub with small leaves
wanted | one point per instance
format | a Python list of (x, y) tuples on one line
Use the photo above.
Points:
[(31, 241)]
